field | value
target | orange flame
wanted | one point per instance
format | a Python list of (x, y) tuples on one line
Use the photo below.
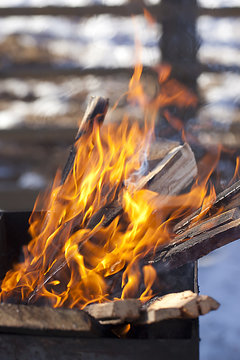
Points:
[(70, 263), (150, 19)]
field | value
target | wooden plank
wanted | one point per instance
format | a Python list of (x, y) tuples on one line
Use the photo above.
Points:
[(182, 305), (30, 319), (115, 312)]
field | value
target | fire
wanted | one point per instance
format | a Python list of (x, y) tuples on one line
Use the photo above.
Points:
[(70, 263)]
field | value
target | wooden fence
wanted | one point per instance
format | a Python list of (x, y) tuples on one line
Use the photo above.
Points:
[(177, 17)]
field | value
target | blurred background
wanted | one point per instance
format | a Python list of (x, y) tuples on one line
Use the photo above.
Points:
[(55, 54)]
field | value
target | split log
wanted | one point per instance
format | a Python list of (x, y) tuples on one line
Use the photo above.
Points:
[(194, 244), (173, 174), (115, 312), (34, 319), (227, 199), (159, 148), (183, 305), (95, 112)]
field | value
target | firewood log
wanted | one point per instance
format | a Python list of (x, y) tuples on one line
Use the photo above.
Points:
[(115, 312), (173, 174), (227, 199), (199, 241)]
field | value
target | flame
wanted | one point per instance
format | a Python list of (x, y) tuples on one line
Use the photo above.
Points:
[(71, 263), (150, 19)]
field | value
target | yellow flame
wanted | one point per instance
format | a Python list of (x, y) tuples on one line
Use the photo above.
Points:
[(70, 263)]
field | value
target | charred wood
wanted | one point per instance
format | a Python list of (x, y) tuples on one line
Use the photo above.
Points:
[(196, 244), (227, 199)]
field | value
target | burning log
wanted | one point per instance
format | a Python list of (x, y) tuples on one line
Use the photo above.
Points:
[(183, 305), (200, 240), (95, 112), (171, 176), (33, 319)]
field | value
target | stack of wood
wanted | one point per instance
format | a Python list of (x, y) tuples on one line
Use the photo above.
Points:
[(182, 305)]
